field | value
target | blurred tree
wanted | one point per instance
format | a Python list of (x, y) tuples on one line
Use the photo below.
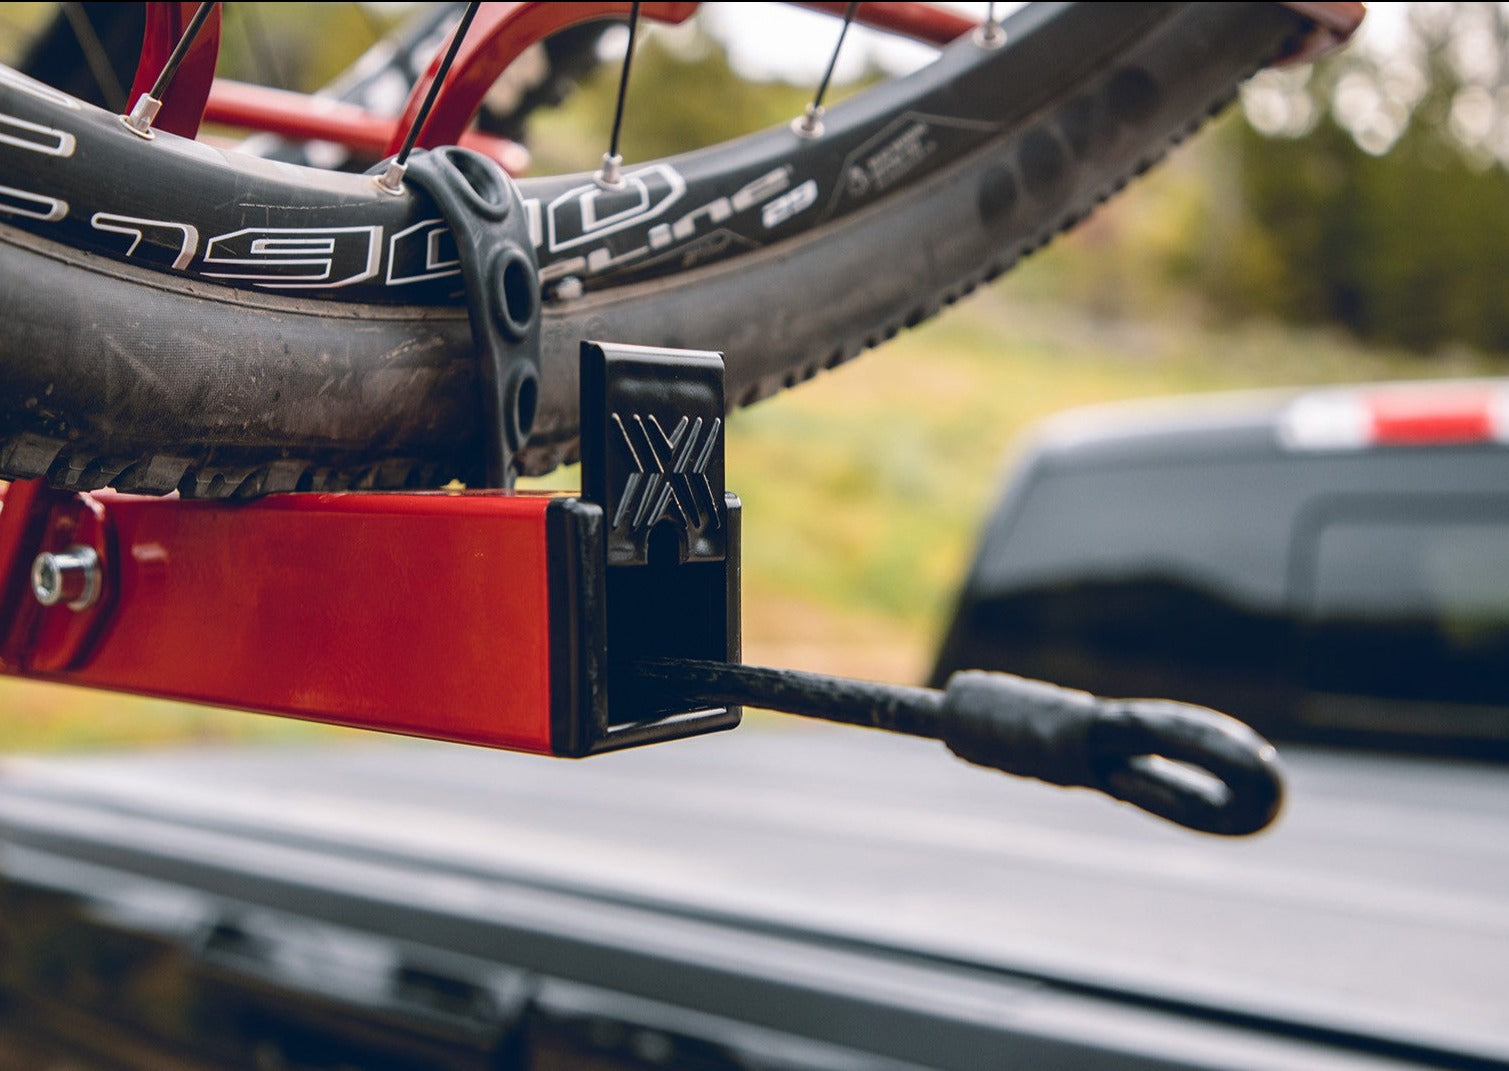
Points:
[(297, 46), (1373, 188)]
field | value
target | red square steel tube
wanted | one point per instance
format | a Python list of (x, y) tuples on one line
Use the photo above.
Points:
[(476, 617)]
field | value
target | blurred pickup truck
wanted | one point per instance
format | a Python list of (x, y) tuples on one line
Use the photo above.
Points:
[(1329, 564)]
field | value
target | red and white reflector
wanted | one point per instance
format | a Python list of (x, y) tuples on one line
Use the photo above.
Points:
[(1413, 414)]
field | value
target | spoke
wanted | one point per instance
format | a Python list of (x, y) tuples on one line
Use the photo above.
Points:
[(391, 180), (147, 106), (165, 78), (609, 176), (95, 55), (810, 125), (990, 34)]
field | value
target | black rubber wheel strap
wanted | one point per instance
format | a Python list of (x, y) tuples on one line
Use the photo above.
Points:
[(486, 216)]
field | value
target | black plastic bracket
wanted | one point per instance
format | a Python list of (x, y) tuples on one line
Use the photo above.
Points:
[(486, 216), (652, 450), (650, 549)]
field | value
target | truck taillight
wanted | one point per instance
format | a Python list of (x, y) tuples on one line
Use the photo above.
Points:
[(1418, 414)]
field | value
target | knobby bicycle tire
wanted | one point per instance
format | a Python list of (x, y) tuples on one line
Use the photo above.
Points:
[(142, 370)]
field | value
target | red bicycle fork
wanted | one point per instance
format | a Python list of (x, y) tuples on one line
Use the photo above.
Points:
[(486, 617)]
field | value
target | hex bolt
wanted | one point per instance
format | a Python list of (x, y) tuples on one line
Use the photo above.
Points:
[(71, 577)]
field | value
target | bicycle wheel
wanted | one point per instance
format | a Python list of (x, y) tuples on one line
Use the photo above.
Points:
[(176, 317)]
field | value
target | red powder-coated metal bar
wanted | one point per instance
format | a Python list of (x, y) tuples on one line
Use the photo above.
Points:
[(425, 614), (183, 103), (497, 36), (921, 22), (295, 115), (502, 32), (505, 31), (25, 506)]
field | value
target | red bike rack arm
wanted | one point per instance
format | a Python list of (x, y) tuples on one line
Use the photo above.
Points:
[(502, 32), (921, 22), (499, 34), (183, 108), (297, 116), (472, 617), (423, 614)]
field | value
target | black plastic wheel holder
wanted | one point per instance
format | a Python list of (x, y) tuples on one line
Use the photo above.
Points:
[(654, 539)]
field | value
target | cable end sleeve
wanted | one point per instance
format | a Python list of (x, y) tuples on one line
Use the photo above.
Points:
[(1185, 763)]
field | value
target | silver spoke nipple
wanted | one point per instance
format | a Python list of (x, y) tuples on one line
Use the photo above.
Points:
[(610, 175), (990, 35), (391, 179), (142, 114), (810, 123)]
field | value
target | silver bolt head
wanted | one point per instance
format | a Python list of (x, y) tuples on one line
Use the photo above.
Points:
[(71, 577)]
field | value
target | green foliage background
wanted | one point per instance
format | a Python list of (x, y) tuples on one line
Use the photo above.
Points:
[(1397, 227)]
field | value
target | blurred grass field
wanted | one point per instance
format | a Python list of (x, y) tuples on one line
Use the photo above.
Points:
[(864, 488)]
